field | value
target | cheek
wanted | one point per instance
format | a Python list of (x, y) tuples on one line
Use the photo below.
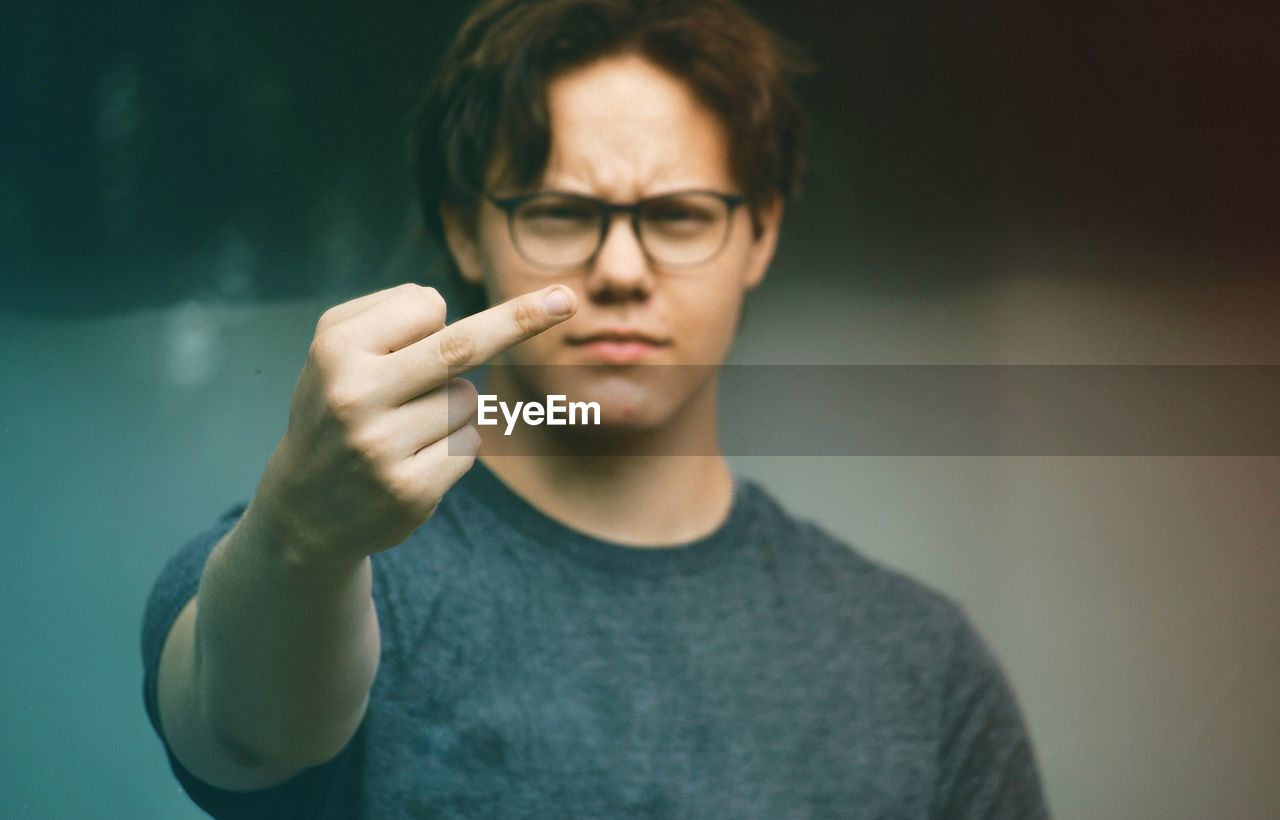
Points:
[(707, 317)]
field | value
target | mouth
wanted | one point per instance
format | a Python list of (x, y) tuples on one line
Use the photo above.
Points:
[(618, 347)]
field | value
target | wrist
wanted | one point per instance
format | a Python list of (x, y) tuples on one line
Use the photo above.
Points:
[(276, 535)]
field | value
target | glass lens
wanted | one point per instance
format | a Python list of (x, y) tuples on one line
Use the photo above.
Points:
[(684, 229), (556, 230)]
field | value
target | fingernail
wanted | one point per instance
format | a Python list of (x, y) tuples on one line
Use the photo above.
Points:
[(556, 302)]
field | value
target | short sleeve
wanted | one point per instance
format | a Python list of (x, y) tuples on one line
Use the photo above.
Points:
[(987, 764), (329, 790)]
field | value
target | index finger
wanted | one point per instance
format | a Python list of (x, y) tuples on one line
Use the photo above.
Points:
[(472, 341)]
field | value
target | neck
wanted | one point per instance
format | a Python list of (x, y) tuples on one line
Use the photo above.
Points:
[(622, 492)]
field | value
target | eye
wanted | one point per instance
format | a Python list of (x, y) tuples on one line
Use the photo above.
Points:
[(561, 212), (678, 212), (683, 216)]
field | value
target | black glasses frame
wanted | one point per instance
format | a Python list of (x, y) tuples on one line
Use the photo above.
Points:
[(510, 204)]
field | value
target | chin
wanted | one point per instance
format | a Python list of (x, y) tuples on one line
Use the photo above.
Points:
[(633, 400), (636, 435), (630, 399)]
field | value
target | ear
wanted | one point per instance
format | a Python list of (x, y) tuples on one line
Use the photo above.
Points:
[(764, 245), (459, 234)]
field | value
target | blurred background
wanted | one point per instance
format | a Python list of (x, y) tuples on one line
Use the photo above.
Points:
[(186, 186)]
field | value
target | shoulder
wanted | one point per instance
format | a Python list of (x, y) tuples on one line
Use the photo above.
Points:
[(834, 581), (808, 548), (918, 641)]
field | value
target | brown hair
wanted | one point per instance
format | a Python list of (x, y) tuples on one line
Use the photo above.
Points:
[(489, 94)]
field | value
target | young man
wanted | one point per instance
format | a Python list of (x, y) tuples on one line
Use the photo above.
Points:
[(588, 620)]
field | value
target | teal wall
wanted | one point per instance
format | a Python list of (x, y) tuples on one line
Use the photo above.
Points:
[(184, 187)]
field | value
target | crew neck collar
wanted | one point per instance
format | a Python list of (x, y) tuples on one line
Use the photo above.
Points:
[(558, 537)]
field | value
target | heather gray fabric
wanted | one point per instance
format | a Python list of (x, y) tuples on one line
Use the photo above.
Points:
[(766, 671)]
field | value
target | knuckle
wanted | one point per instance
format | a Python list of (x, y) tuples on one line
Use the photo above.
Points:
[(343, 399), (430, 305), (333, 312), (367, 446), (361, 448), (460, 409), (463, 462), (406, 491), (326, 347), (431, 298), (457, 348), (527, 318), (468, 442), (463, 393)]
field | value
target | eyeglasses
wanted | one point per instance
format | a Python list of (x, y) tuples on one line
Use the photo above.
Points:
[(558, 231)]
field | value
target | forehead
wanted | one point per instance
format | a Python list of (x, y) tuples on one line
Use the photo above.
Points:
[(622, 128)]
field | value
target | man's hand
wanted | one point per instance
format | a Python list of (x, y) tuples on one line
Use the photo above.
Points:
[(380, 427)]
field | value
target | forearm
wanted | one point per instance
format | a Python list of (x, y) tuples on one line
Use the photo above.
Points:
[(283, 653)]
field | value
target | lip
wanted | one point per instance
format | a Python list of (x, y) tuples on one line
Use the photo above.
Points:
[(618, 346), (620, 352)]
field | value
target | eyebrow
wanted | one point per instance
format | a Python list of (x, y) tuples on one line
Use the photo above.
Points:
[(658, 195), (591, 187)]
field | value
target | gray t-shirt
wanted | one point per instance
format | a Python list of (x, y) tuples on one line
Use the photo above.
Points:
[(765, 671)]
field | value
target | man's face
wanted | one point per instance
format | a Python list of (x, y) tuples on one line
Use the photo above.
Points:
[(624, 130)]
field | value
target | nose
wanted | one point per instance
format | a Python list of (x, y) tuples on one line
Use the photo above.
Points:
[(620, 269)]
